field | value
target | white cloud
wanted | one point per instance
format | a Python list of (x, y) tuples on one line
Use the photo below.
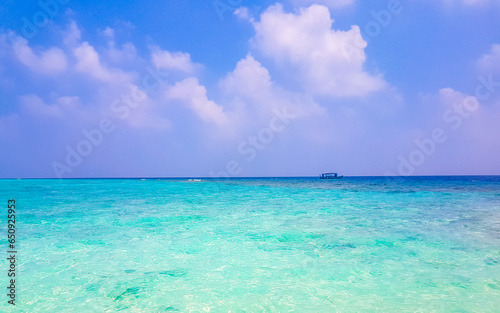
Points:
[(34, 105), (490, 62), (242, 13), (72, 35), (250, 89), (249, 79), (332, 4), (448, 96), (88, 61), (311, 53), (194, 95), (178, 61), (50, 61), (108, 82), (108, 32), (127, 52)]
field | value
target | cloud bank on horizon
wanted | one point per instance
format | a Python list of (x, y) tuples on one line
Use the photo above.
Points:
[(273, 89)]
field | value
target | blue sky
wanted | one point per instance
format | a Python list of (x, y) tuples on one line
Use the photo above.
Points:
[(249, 88)]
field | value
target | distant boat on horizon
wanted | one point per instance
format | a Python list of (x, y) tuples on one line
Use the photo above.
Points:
[(330, 176)]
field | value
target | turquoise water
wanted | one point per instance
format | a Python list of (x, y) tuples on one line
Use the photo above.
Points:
[(256, 245)]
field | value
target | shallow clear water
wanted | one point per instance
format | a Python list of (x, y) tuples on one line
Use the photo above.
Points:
[(256, 245)]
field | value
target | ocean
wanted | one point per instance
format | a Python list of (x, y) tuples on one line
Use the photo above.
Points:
[(360, 244)]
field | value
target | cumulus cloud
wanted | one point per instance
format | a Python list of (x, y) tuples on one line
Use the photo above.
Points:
[(305, 46), (108, 32), (88, 61), (449, 96), (34, 105), (248, 79), (194, 96), (178, 61), (332, 4), (50, 61), (105, 89), (126, 53), (72, 35), (490, 62), (250, 85), (242, 13)]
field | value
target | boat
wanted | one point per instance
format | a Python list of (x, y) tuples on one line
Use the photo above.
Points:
[(330, 176)]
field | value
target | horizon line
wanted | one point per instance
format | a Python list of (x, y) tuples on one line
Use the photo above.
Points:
[(242, 177)]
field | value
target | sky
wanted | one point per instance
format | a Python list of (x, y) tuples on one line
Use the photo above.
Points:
[(239, 88)]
